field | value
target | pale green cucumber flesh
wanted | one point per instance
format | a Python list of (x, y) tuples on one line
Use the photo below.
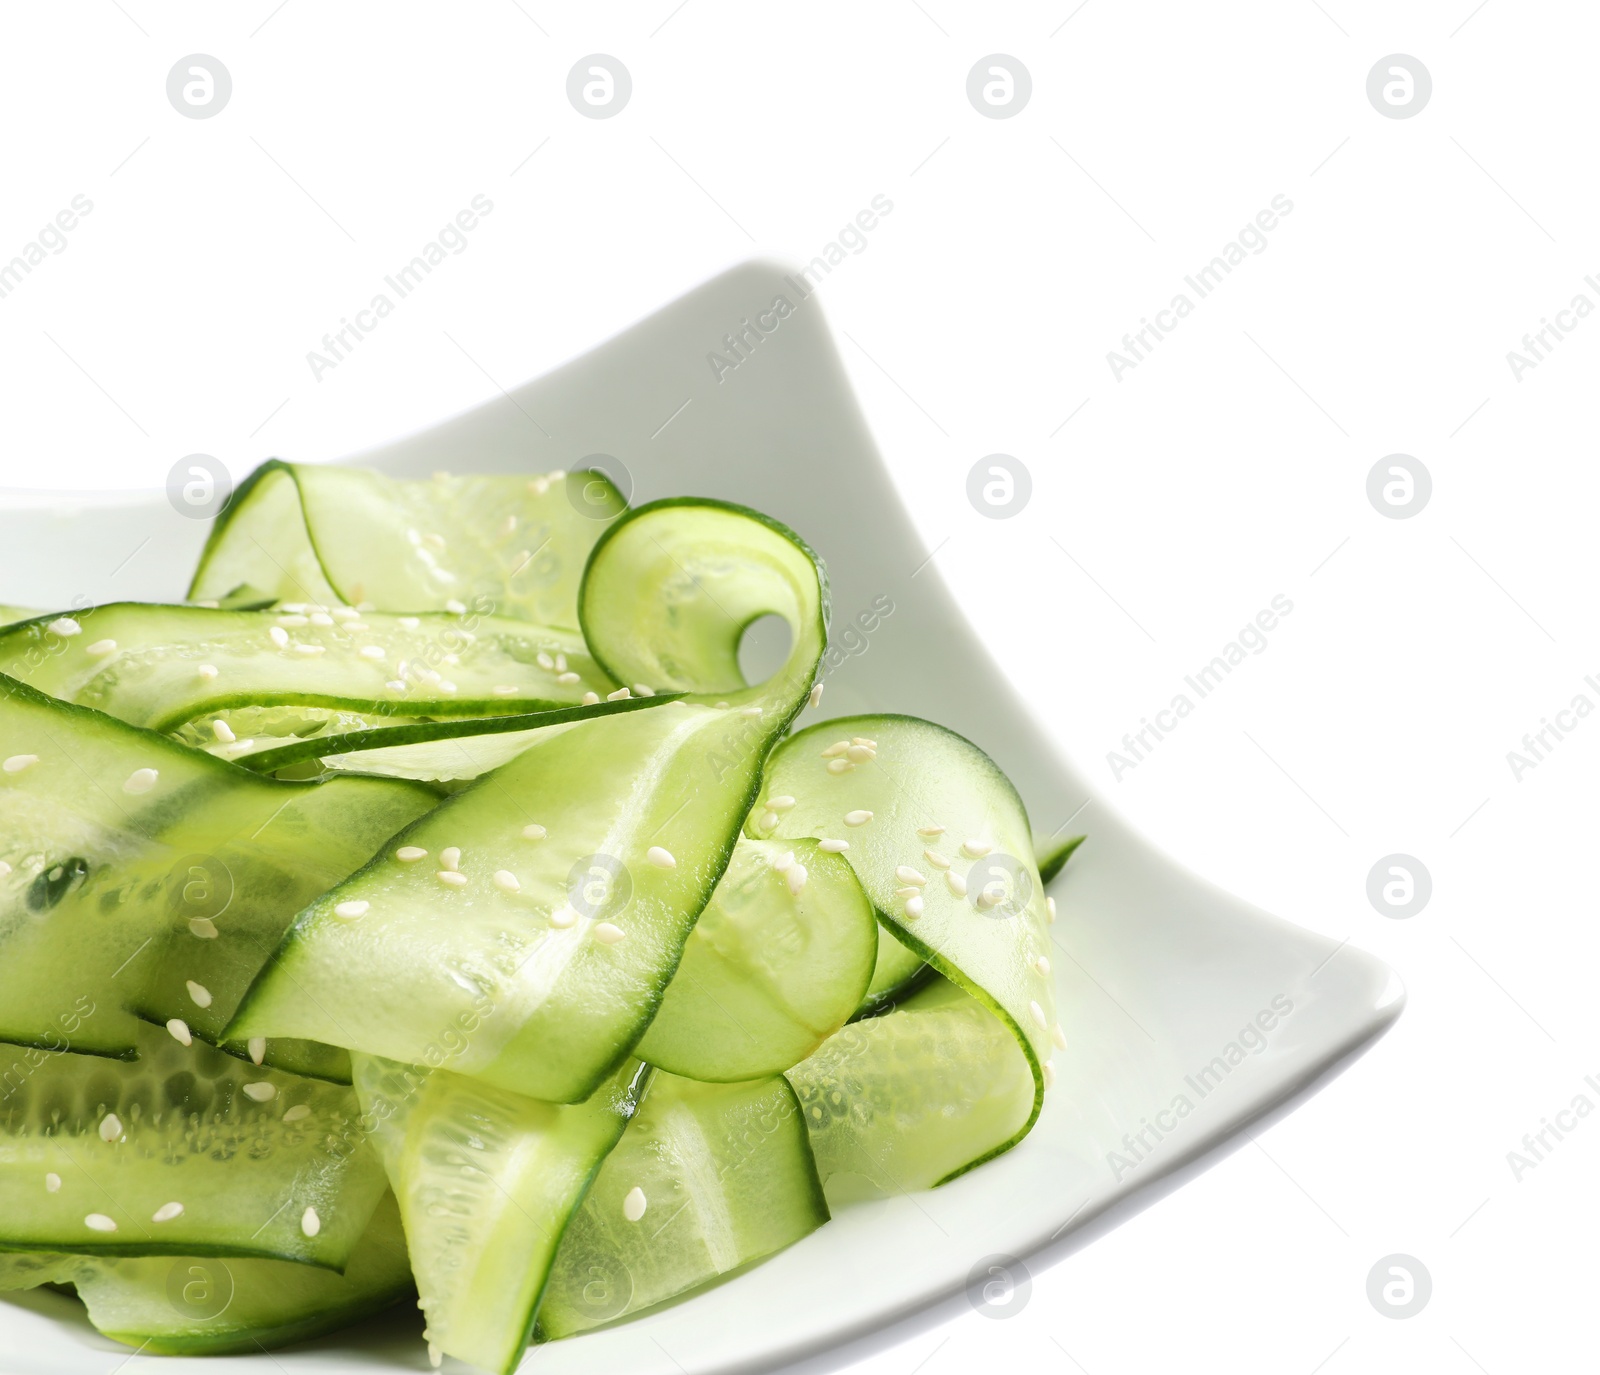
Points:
[(768, 973), (724, 1176)]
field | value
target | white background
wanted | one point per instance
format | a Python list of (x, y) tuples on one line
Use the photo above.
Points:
[(1227, 468)]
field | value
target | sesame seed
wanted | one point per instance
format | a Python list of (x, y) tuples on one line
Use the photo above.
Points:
[(991, 895), (835, 750), (180, 1031), (198, 992), (662, 859), (298, 1113), (859, 754), (750, 711), (506, 881), (975, 849), (311, 651), (223, 731), (321, 618), (206, 671), (100, 648), (930, 830), (906, 874), (1049, 1075), (1058, 1037), (534, 831), (18, 762), (545, 661), (203, 927), (409, 622), (396, 685), (936, 859), (913, 908), (310, 1223), (569, 678), (295, 621), (99, 1222), (450, 857), (1042, 964), (561, 663), (621, 694), (564, 916), (538, 486), (634, 1203), (1050, 910), (4, 868), (257, 1047), (454, 607), (410, 854), (719, 706), (451, 878), (644, 690), (356, 907), (857, 818), (796, 876), (607, 934), (505, 690), (783, 861), (52, 1183), (166, 1212), (862, 740), (833, 847), (815, 699), (294, 606), (958, 885), (261, 1091), (110, 1127), (767, 820), (141, 780), (591, 699), (345, 613), (64, 626), (1038, 1014), (279, 636), (374, 652), (909, 891), (781, 803)]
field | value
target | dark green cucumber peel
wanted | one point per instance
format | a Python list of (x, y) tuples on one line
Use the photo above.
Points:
[(706, 1180), (120, 845), (994, 960), (1052, 856)]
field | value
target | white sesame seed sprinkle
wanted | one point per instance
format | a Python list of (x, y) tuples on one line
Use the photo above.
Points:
[(279, 636), (930, 830), (567, 679), (99, 1222), (373, 652), (906, 874), (1042, 964), (450, 857), (52, 1183), (1050, 910), (957, 884), (534, 831), (750, 711), (298, 1113), (451, 879), (620, 695), (909, 891), (591, 699), (913, 908), (860, 754), (261, 1091), (410, 854), (607, 934), (396, 685), (18, 762), (409, 622), (1037, 1013), (100, 648), (975, 849), (661, 858), (505, 690), (564, 916), (140, 780), (862, 740), (783, 861), (321, 618), (180, 1032), (64, 626), (310, 1223), (166, 1212), (857, 818), (198, 993), (355, 907), (206, 671), (294, 622), (311, 651), (936, 859), (645, 690), (455, 607), (767, 820), (815, 700), (781, 803), (1058, 1037), (1049, 1075), (203, 927), (506, 881), (223, 731), (257, 1048), (545, 661), (833, 847), (5, 868), (795, 875), (110, 1127), (634, 1204)]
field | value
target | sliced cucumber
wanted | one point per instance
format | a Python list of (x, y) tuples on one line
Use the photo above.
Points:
[(916, 1096), (777, 962), (706, 1179), (330, 534), (487, 1183), (941, 843), (557, 949), (141, 878), (186, 1151), (288, 674), (1053, 855)]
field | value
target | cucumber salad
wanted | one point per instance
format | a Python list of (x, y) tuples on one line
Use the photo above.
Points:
[(427, 909)]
